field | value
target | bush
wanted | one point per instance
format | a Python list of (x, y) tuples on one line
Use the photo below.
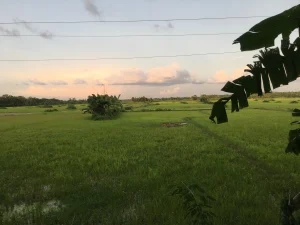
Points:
[(145, 110), (196, 202), (71, 107), (160, 109), (128, 108), (1, 107), (51, 110), (184, 103), (293, 102), (104, 107), (204, 99), (46, 106), (266, 101), (194, 97)]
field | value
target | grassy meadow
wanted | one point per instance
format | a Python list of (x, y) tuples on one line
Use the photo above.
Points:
[(63, 168)]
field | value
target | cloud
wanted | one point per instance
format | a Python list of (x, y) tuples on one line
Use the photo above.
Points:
[(170, 91), (166, 27), (79, 81), (164, 76), (58, 82), (221, 76), (13, 32), (35, 82), (91, 7), (43, 34)]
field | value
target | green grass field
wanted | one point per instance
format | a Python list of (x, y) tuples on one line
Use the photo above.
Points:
[(64, 168)]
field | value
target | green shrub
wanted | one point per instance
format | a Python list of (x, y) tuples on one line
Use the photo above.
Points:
[(51, 110), (46, 106), (196, 203), (2, 107), (266, 101), (71, 107), (293, 102), (145, 110), (184, 103), (104, 107), (128, 108), (160, 109)]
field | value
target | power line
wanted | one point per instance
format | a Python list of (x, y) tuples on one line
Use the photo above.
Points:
[(118, 58), (131, 21), (119, 36)]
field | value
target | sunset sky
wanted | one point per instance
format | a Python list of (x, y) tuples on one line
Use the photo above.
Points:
[(158, 77)]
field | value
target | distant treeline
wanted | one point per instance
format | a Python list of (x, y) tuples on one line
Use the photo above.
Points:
[(11, 101), (278, 95), (145, 99), (254, 96), (141, 99)]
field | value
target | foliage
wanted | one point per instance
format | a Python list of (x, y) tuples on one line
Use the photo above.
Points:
[(12, 101), (71, 107), (194, 97), (196, 202), (141, 99), (104, 106), (51, 110), (46, 106), (1, 107), (146, 110), (160, 109), (128, 107), (293, 102), (184, 103), (204, 99)]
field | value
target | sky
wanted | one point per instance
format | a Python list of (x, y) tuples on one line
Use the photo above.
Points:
[(155, 77)]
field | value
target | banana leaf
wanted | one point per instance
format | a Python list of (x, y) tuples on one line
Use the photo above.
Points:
[(263, 34)]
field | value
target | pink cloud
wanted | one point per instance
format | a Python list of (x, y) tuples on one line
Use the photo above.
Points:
[(222, 77)]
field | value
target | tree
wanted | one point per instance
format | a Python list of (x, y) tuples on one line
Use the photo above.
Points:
[(194, 97), (104, 106)]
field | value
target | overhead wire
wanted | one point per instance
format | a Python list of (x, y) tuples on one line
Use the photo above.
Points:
[(117, 58), (119, 36), (131, 21)]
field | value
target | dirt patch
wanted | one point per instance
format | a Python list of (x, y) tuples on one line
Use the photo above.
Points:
[(173, 124)]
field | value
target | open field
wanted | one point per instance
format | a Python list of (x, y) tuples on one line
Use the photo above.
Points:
[(63, 168)]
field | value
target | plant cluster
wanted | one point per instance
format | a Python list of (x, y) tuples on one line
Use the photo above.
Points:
[(104, 106)]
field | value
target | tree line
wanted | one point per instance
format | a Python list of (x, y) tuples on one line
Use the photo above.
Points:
[(12, 101)]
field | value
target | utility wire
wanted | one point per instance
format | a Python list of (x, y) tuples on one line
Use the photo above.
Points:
[(119, 36), (130, 21), (117, 58)]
